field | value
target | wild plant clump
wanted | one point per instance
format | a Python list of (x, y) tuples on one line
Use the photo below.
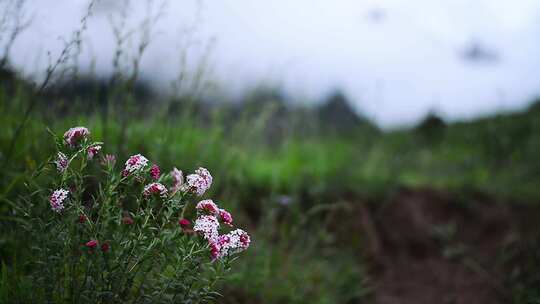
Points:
[(105, 235)]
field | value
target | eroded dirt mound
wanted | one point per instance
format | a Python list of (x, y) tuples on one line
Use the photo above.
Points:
[(431, 247)]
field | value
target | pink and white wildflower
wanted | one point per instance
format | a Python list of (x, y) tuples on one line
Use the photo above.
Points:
[(74, 136), (234, 242), (207, 225), (92, 151), (215, 250), (225, 217), (57, 199), (199, 182), (135, 163), (155, 172), (61, 162), (220, 247), (239, 240), (155, 189), (208, 206), (178, 180)]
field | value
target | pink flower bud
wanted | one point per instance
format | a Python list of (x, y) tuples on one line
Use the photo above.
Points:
[(108, 160), (225, 217), (178, 180), (127, 220), (91, 244), (184, 223), (155, 172), (215, 250), (105, 247)]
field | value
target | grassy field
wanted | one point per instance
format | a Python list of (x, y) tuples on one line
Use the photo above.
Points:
[(290, 189)]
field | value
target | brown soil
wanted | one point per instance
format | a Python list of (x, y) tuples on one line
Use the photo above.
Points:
[(429, 247)]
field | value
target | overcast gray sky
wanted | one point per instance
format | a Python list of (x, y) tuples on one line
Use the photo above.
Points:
[(395, 59)]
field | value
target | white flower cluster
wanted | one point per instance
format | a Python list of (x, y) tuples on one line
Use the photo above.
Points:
[(135, 163), (155, 189), (208, 206), (233, 242), (92, 151), (74, 135), (239, 239), (61, 162), (209, 215), (207, 225), (57, 199), (200, 181)]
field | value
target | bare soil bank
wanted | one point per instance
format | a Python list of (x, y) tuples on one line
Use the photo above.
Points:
[(427, 246)]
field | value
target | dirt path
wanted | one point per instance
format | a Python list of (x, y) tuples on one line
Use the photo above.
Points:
[(429, 247)]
